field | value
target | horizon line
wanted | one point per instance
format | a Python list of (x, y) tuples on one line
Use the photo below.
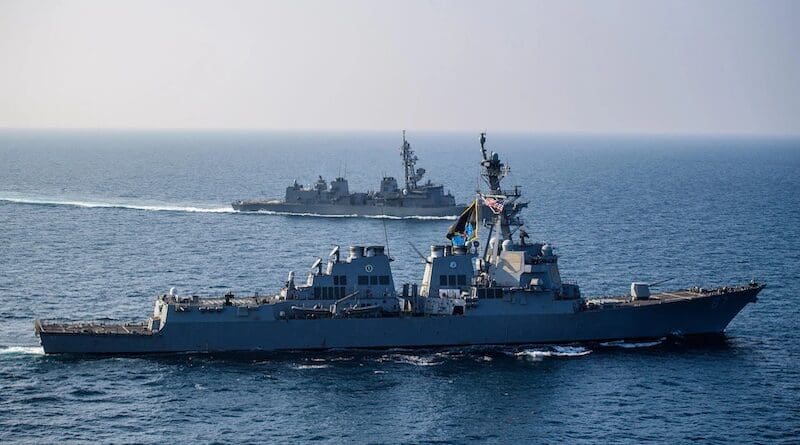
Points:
[(399, 129)]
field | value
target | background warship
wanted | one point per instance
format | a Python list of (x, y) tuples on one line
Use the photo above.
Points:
[(415, 199), (511, 293)]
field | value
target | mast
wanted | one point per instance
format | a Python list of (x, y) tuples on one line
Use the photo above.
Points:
[(493, 170), (504, 204), (409, 164)]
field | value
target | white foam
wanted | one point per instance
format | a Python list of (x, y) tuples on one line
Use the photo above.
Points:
[(315, 215), (631, 345), (415, 360), (311, 367), (319, 215), (32, 350), (571, 351), (554, 351), (118, 205), (422, 218)]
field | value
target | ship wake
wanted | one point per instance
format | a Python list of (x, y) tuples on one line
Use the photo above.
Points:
[(111, 204), (540, 353), (22, 350), (632, 345), (319, 215), (411, 359)]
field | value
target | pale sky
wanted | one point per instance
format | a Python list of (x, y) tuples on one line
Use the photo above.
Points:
[(588, 67)]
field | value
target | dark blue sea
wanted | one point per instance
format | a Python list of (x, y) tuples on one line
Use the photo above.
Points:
[(96, 224)]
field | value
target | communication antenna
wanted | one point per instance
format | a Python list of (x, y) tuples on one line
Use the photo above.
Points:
[(386, 239), (422, 257), (660, 282)]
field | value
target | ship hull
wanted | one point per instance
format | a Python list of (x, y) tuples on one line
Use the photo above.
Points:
[(346, 210), (702, 315)]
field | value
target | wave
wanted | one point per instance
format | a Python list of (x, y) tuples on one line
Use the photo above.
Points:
[(409, 359), (117, 205), (632, 345), (30, 350), (301, 367), (320, 215), (553, 351), (421, 218)]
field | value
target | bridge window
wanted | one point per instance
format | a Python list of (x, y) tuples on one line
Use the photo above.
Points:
[(494, 292), (373, 279), (336, 280), (442, 280), (343, 280), (317, 292), (462, 280), (384, 279), (451, 280), (363, 280)]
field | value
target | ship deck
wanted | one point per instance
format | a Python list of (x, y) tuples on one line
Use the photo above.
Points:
[(668, 297), (91, 328), (249, 301)]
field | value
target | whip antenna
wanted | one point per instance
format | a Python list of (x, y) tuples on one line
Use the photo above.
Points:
[(419, 253), (386, 239)]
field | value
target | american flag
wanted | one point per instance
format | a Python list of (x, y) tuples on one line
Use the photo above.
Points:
[(494, 204)]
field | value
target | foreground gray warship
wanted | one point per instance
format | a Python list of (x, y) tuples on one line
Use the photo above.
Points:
[(510, 293), (415, 199)]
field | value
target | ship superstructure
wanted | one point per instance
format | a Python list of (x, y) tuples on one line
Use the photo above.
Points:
[(509, 291)]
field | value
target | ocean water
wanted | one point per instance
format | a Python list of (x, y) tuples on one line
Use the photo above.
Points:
[(95, 224)]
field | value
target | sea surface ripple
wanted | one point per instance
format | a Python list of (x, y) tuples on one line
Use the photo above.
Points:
[(94, 225)]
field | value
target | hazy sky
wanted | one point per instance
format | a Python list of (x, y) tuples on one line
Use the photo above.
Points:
[(595, 66)]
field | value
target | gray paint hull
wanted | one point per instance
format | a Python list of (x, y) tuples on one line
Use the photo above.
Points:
[(703, 315), (347, 210)]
